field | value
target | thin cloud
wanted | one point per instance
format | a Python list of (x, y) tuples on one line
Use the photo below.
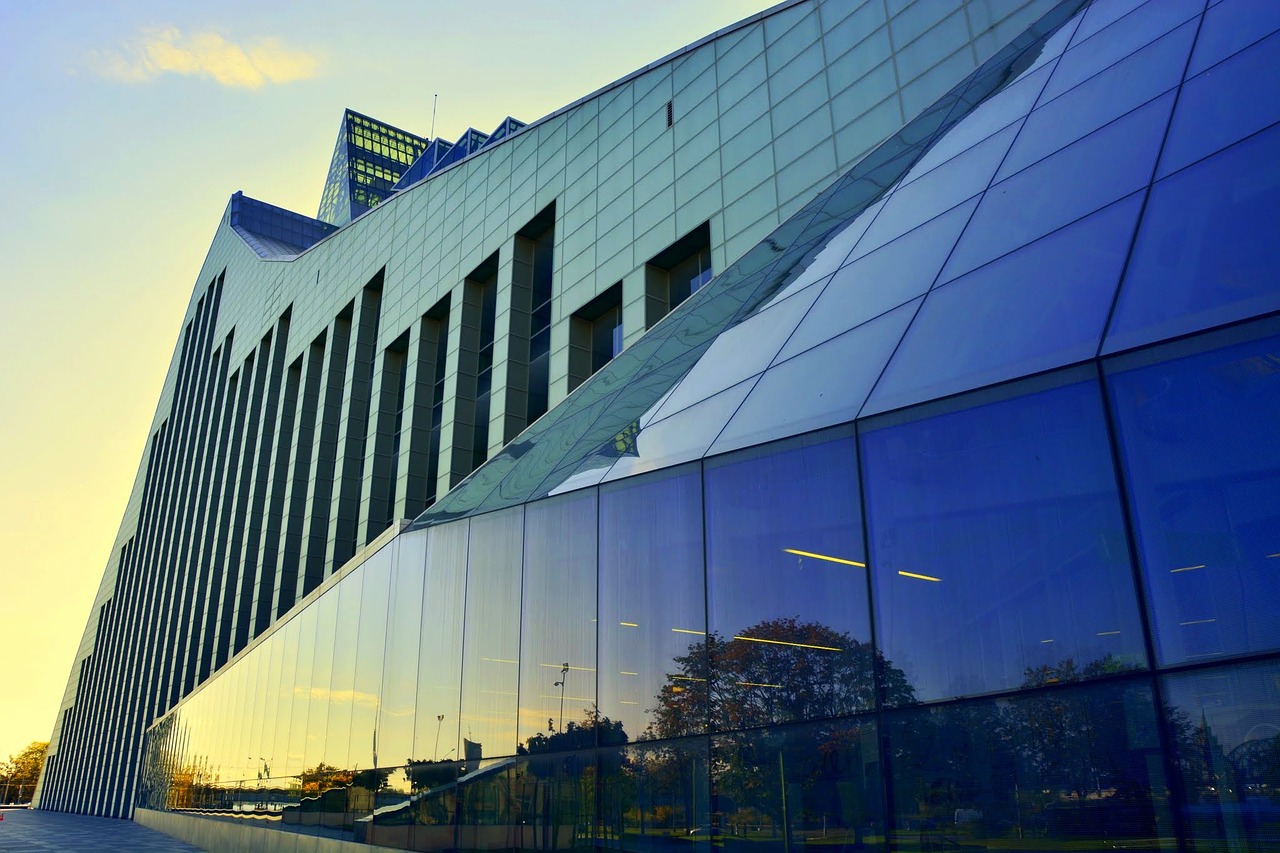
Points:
[(206, 54)]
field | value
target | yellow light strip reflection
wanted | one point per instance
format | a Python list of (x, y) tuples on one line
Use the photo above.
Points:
[(1108, 633), (1046, 641), (624, 672), (625, 702), (781, 643), (686, 678), (1198, 622), (687, 631), (500, 692), (920, 577), (629, 624), (754, 684), (1276, 554), (561, 666), (1186, 569), (570, 698), (840, 560), (499, 660)]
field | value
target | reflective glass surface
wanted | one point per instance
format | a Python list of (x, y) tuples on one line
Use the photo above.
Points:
[(813, 786), (366, 690), (1068, 768), (650, 584), (399, 690), (1204, 254), (789, 627), (1042, 306), (491, 634), (1226, 103), (652, 796), (1104, 166), (440, 642), (1197, 435), (795, 396), (558, 621), (1225, 727), (997, 545)]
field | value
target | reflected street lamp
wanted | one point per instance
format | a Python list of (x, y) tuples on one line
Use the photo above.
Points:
[(439, 722), (564, 675)]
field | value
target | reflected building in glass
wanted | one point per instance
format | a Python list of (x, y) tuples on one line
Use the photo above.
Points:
[(943, 515)]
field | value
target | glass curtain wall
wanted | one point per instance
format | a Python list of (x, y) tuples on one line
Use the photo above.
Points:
[(1035, 616)]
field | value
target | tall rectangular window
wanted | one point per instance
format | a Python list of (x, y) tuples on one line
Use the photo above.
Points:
[(540, 235), (676, 273), (595, 335)]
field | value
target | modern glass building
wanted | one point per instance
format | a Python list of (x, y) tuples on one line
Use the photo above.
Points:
[(368, 159), (943, 514)]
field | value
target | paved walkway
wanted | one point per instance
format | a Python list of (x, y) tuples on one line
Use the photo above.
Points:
[(26, 831)]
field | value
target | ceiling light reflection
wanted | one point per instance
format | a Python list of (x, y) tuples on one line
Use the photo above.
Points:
[(1186, 569), (688, 631), (920, 577), (829, 559), (783, 643)]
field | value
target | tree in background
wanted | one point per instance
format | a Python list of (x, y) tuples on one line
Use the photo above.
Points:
[(21, 772)]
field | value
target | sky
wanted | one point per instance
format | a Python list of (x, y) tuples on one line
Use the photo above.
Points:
[(127, 126)]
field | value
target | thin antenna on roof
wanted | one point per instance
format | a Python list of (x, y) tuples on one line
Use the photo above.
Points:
[(433, 115)]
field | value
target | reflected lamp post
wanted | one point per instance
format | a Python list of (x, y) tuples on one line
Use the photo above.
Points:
[(435, 753), (564, 676)]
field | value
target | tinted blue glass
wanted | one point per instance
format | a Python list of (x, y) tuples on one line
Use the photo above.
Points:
[(1224, 104), (651, 580), (997, 545), (1117, 40), (655, 796), (558, 618), (1225, 727), (1075, 768), (1128, 84), (1081, 178), (787, 788), (824, 386), (1206, 252), (1197, 434), (1230, 26), (880, 281), (1040, 307), (960, 178), (786, 587)]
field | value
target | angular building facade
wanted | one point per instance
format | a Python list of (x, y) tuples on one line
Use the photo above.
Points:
[(854, 430)]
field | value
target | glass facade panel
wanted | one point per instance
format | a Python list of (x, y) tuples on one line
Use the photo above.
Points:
[(794, 396), (1197, 436), (881, 281), (815, 786), (366, 689), (998, 548), (440, 644), (789, 625), (1074, 768), (651, 581), (400, 669), (1040, 307), (1204, 254), (1220, 106), (327, 630), (655, 797), (1225, 727), (1081, 178), (337, 747), (558, 622), (491, 629)]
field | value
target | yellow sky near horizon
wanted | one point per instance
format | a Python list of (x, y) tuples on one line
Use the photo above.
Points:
[(130, 125)]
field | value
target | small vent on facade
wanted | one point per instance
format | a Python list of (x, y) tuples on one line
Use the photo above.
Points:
[(670, 113)]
